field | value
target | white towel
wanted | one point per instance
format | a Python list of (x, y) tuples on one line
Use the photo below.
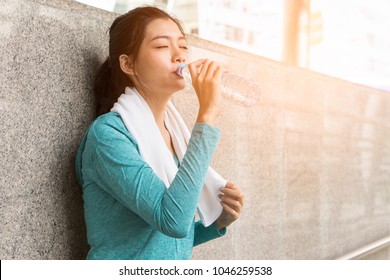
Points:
[(139, 121)]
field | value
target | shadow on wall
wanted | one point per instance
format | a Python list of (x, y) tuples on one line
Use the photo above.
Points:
[(80, 246), (74, 202)]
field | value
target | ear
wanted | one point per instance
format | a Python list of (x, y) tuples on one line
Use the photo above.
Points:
[(126, 64)]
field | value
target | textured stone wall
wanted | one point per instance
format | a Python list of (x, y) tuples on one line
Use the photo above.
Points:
[(312, 157), (49, 54)]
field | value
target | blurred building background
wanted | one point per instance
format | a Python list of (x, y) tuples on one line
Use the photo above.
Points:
[(340, 38)]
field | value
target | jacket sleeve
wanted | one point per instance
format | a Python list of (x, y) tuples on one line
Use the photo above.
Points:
[(204, 234), (113, 162)]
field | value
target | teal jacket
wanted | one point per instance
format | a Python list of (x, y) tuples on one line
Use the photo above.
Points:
[(129, 213)]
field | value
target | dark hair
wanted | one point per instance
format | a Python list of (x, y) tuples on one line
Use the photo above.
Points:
[(126, 35)]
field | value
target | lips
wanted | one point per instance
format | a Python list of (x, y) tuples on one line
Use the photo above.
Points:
[(177, 74)]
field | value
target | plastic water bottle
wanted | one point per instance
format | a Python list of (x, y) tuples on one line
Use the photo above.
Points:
[(239, 90)]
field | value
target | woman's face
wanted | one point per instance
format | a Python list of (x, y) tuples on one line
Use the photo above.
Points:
[(162, 50)]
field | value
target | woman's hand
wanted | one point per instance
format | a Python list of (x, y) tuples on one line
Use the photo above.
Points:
[(206, 80), (232, 201)]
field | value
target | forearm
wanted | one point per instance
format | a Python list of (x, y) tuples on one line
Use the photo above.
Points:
[(182, 197)]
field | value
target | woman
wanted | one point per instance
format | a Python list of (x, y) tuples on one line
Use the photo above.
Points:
[(143, 174)]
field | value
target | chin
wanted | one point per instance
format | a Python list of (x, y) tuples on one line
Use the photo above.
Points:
[(179, 87)]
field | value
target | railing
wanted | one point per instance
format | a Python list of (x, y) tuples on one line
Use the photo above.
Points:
[(366, 250)]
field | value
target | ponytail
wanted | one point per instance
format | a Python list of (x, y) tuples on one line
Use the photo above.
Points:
[(109, 85), (103, 88)]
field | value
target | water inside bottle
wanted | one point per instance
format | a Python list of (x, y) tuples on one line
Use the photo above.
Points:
[(229, 86)]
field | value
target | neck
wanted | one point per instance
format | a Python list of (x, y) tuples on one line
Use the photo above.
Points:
[(157, 105), (158, 109)]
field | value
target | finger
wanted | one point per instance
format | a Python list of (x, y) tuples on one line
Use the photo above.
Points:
[(218, 73), (232, 203), (230, 211), (230, 185), (215, 71), (203, 69), (197, 63), (210, 70), (234, 194), (194, 67)]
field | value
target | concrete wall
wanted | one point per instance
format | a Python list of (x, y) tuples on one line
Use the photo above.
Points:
[(312, 157)]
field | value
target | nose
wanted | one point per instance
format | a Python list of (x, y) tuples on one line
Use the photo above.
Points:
[(179, 55)]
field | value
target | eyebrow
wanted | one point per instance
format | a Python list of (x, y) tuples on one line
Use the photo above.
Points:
[(166, 37)]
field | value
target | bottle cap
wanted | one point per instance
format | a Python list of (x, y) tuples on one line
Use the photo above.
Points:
[(180, 69)]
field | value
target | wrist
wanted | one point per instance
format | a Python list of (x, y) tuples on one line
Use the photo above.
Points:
[(219, 225), (210, 118)]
